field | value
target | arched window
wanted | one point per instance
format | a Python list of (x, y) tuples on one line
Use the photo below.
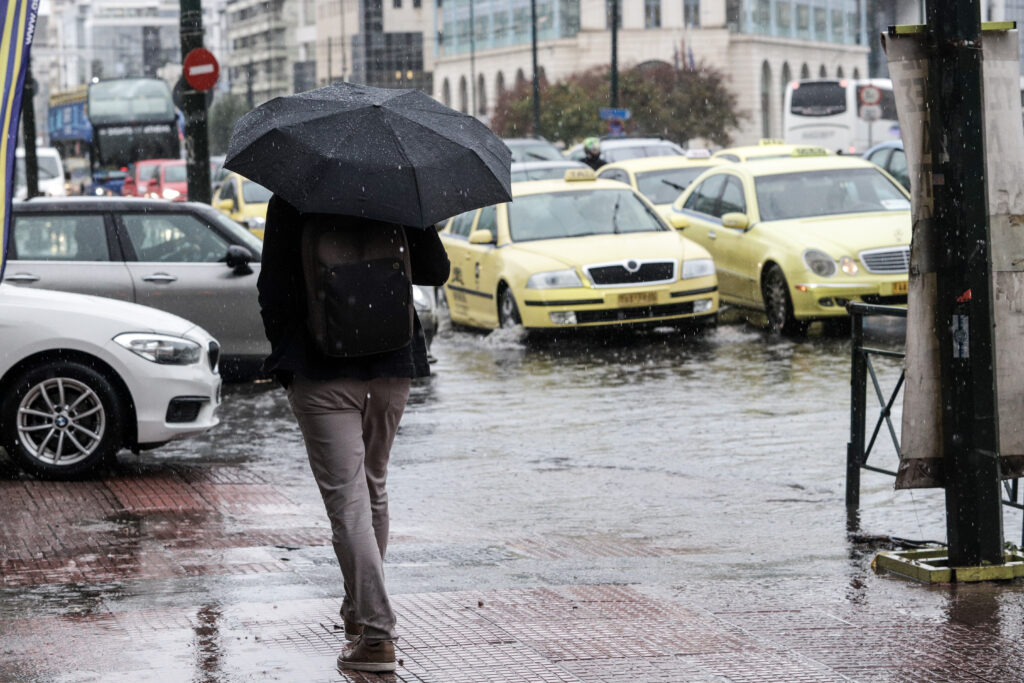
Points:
[(481, 96), (542, 75), (499, 85), (805, 73), (463, 96), (856, 73), (766, 100), (822, 72), (520, 78), (839, 72), (787, 76), (446, 93)]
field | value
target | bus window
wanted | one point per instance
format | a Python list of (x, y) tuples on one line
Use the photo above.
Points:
[(819, 98)]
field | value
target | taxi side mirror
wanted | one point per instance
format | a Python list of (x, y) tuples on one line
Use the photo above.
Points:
[(736, 220), (678, 221), (224, 205), (481, 237)]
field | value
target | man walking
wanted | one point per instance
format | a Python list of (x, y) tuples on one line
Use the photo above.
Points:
[(348, 409)]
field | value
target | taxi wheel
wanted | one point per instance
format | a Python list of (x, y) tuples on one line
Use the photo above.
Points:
[(61, 419), (508, 312), (778, 306)]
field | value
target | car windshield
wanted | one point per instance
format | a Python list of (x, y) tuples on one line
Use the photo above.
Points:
[(250, 240), (662, 187), (550, 173), (827, 192), (254, 193), (534, 151), (575, 214), (176, 173)]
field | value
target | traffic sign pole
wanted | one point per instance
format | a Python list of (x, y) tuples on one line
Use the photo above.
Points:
[(197, 148)]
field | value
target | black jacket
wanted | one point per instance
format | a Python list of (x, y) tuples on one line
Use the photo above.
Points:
[(282, 293)]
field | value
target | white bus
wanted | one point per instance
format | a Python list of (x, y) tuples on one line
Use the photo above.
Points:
[(827, 112)]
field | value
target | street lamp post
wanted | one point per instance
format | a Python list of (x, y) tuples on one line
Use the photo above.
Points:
[(615, 54), (536, 73), (197, 149)]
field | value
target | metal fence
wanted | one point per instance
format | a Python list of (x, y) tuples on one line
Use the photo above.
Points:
[(860, 446)]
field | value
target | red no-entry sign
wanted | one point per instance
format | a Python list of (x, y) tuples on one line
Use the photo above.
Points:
[(201, 69)]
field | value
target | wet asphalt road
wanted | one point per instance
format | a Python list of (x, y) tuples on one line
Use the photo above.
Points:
[(705, 473)]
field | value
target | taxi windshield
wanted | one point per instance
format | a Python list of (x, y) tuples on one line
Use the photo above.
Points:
[(827, 192), (662, 187), (579, 213)]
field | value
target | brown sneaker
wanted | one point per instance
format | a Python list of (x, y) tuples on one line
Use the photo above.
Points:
[(352, 630), (378, 657)]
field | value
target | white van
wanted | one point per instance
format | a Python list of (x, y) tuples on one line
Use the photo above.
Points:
[(51, 173)]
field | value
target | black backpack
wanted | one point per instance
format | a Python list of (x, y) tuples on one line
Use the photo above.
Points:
[(358, 285)]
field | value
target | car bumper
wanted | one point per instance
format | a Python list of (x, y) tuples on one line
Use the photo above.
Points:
[(829, 299), (593, 307), (154, 387)]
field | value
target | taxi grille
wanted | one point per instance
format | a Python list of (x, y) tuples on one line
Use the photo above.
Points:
[(631, 272), (633, 313), (891, 260)]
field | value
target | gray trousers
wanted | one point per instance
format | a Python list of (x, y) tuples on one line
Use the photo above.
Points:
[(348, 426)]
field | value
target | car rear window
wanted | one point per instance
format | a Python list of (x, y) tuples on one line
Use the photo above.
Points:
[(576, 214), (818, 99), (534, 151)]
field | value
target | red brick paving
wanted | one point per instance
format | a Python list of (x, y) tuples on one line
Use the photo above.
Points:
[(93, 540)]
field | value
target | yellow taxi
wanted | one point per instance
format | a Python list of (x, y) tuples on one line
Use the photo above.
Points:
[(578, 252), (243, 201), (768, 148), (660, 179), (799, 238)]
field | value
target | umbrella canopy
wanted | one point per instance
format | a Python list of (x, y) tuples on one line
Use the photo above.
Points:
[(391, 155)]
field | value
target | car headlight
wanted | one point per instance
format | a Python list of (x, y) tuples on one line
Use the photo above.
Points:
[(98, 191), (820, 263), (170, 193), (698, 267), (161, 348), (555, 279), (848, 265), (255, 222)]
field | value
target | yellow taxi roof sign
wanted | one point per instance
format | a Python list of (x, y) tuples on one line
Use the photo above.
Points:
[(574, 175), (770, 141), (810, 152)]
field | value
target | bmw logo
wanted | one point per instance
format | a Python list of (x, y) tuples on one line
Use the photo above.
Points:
[(61, 421)]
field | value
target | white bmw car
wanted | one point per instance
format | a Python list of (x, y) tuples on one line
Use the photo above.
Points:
[(82, 377)]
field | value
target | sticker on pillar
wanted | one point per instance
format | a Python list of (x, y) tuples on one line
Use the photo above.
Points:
[(961, 337)]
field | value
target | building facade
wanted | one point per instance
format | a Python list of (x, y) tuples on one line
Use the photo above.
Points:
[(759, 44), (271, 47), (383, 43)]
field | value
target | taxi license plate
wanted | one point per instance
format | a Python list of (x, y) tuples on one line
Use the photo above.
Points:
[(899, 288), (638, 298)]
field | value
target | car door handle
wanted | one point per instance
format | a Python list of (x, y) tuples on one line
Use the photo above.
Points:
[(22, 277), (712, 235), (160, 277)]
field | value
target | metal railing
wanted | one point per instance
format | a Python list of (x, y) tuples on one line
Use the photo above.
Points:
[(860, 446)]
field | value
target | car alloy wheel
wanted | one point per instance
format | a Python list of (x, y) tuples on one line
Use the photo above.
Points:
[(61, 419), (508, 312)]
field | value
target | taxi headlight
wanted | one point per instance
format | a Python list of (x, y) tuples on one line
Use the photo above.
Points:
[(820, 263), (170, 193), (698, 267), (848, 265), (161, 348), (554, 279)]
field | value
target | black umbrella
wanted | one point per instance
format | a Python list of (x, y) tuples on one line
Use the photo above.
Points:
[(392, 155)]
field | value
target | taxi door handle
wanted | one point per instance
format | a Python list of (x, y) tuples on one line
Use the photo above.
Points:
[(712, 235), (162, 278), (22, 277)]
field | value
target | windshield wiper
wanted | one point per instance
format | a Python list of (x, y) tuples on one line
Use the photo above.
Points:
[(615, 214), (675, 185)]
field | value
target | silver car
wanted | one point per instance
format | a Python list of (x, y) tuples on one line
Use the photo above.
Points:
[(181, 257)]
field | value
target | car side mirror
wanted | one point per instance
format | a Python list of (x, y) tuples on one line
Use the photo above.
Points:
[(736, 220), (678, 221), (224, 205), (238, 259), (481, 237)]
